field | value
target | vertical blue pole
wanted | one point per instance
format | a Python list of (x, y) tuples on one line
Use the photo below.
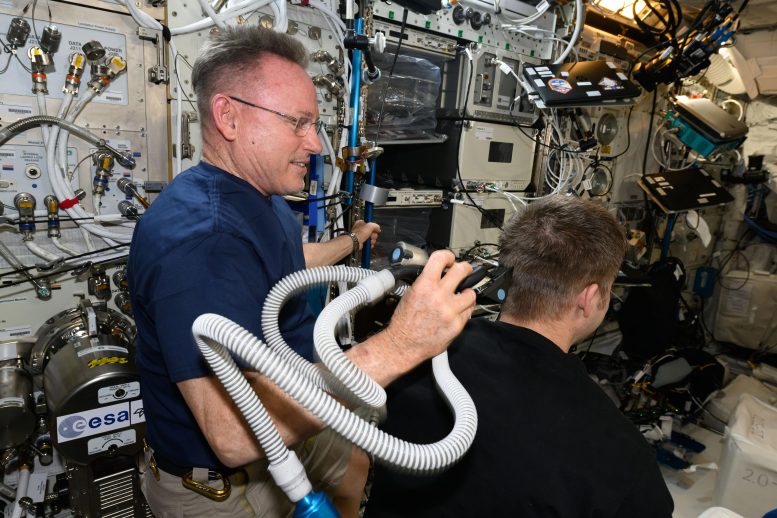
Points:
[(356, 80), (311, 206), (315, 210), (671, 218)]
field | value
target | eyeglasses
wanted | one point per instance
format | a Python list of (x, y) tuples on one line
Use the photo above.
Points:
[(301, 124)]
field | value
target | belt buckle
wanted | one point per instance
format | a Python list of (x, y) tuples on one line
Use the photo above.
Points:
[(205, 490)]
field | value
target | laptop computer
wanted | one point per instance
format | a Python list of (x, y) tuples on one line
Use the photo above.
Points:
[(710, 119), (689, 189), (585, 83)]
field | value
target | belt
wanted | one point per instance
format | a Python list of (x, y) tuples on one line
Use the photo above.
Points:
[(179, 471)]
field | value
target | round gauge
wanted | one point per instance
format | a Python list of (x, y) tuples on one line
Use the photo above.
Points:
[(601, 181), (607, 129), (293, 28)]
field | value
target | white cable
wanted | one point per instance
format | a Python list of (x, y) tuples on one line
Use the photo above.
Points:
[(59, 137), (579, 22), (570, 167), (738, 105), (281, 22), (40, 252), (234, 11), (63, 247), (206, 7), (21, 490), (529, 30), (505, 68), (506, 195), (559, 40), (329, 12), (141, 18), (661, 161), (61, 186), (528, 33), (64, 107), (541, 9)]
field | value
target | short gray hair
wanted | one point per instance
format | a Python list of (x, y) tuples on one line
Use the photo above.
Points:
[(556, 247), (231, 52)]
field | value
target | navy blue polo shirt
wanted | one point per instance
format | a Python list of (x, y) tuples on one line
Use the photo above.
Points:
[(210, 243)]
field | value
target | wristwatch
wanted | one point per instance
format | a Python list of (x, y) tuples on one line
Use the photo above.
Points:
[(356, 243)]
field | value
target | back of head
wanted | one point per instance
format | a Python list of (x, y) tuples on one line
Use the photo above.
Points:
[(556, 247), (231, 56)]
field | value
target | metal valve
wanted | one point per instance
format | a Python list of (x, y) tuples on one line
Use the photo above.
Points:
[(52, 212), (322, 56), (122, 301), (330, 83), (103, 72), (128, 210), (50, 39), (39, 60), (93, 50), (25, 206), (104, 169), (75, 70), (18, 32), (120, 279), (99, 285)]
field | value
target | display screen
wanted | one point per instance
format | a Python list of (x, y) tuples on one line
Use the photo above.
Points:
[(492, 218), (501, 152)]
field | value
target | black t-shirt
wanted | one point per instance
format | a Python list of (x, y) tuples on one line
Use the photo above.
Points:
[(549, 442)]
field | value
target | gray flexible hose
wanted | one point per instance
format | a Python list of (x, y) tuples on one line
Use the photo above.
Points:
[(27, 123), (39, 120)]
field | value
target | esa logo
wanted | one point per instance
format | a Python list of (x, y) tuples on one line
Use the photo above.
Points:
[(93, 422)]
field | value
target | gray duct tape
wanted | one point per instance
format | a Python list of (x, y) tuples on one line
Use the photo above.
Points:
[(374, 195)]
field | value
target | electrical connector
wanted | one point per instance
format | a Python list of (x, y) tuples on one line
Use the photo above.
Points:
[(505, 68)]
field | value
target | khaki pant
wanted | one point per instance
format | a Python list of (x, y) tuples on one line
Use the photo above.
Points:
[(254, 493)]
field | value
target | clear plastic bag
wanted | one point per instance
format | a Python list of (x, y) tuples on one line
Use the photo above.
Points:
[(409, 104)]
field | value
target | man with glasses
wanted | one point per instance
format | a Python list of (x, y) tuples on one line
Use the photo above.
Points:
[(549, 442), (216, 241)]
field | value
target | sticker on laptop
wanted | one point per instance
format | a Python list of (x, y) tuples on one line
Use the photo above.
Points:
[(559, 85), (610, 84)]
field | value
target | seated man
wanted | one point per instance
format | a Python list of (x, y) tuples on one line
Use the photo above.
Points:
[(549, 441)]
